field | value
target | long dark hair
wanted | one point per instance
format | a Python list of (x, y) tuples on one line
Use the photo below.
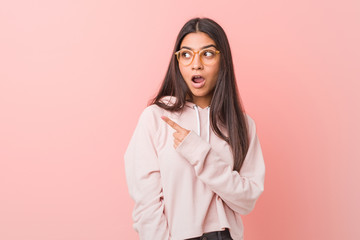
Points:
[(226, 108)]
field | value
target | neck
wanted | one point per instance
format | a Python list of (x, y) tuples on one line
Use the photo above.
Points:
[(202, 102)]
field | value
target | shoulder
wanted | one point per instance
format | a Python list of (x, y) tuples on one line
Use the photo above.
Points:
[(249, 119), (151, 116), (152, 111), (251, 125)]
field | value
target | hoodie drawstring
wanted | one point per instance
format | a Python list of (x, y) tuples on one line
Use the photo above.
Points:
[(198, 118), (198, 121), (208, 126)]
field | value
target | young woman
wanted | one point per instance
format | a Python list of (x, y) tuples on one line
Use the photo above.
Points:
[(194, 164)]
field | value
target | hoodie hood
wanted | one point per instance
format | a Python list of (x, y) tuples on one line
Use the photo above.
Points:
[(170, 100)]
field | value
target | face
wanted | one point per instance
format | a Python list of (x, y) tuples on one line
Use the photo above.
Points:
[(199, 77)]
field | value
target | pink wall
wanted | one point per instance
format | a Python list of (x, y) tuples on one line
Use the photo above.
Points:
[(75, 75)]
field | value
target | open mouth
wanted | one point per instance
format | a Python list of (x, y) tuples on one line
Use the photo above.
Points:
[(197, 79)]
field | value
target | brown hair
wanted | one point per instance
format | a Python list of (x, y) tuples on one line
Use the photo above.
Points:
[(226, 109)]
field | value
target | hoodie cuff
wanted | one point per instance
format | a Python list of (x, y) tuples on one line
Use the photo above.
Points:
[(193, 148)]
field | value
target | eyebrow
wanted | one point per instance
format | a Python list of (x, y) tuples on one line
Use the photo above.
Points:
[(207, 46)]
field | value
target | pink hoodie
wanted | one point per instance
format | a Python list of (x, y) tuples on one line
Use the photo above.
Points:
[(184, 192)]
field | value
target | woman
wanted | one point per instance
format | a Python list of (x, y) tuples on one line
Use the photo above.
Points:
[(194, 164)]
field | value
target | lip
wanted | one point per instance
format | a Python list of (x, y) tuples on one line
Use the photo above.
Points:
[(196, 75), (198, 85)]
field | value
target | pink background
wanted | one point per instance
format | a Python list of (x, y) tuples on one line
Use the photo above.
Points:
[(75, 75)]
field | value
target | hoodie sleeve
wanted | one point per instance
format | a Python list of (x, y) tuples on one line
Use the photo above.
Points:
[(143, 180), (239, 190)]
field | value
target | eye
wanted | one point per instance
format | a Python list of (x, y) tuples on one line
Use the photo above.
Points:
[(209, 53), (185, 54)]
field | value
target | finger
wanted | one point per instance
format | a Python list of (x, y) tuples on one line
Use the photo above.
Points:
[(176, 144), (181, 134), (178, 135), (171, 123)]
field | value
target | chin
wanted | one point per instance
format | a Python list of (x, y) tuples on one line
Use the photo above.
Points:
[(200, 95)]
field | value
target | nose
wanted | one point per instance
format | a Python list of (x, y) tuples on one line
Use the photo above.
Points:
[(197, 64)]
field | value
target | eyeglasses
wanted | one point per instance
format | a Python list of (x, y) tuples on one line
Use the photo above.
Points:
[(207, 56)]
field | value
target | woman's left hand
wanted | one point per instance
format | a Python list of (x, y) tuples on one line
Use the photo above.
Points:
[(180, 133)]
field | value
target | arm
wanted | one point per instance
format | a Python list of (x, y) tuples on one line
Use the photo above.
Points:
[(238, 190), (144, 183)]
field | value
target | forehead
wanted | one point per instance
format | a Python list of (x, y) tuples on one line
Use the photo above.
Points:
[(196, 40)]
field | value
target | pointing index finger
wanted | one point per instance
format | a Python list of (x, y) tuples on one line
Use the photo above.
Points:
[(171, 123)]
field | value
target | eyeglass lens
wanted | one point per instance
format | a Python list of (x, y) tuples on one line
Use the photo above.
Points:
[(207, 56)]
